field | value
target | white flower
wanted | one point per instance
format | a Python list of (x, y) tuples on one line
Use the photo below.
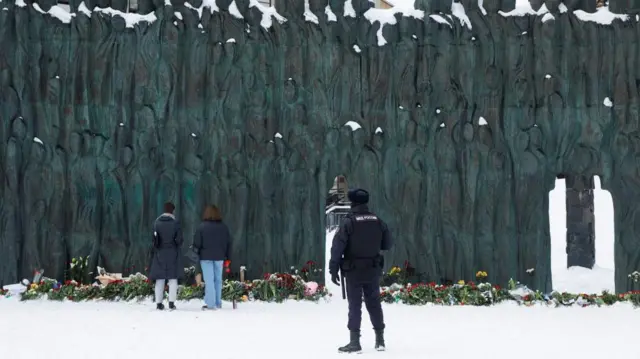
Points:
[(292, 267), (243, 268)]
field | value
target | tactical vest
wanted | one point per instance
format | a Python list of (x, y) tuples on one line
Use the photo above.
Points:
[(363, 247)]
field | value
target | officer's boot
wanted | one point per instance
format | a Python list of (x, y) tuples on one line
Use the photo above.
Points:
[(380, 340), (354, 344)]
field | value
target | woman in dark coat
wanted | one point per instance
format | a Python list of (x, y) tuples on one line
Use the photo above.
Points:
[(167, 256), (212, 243)]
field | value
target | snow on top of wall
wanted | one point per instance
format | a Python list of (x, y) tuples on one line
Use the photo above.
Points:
[(83, 9), (354, 125), (331, 16), (130, 19), (458, 11), (349, 11), (64, 15), (602, 15), (481, 6), (388, 17), (547, 17), (562, 8), (440, 20), (268, 14), (309, 15), (234, 11), (383, 16)]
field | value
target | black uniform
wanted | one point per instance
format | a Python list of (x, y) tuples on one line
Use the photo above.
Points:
[(356, 250)]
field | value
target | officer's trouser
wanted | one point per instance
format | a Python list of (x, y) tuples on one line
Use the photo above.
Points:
[(369, 288)]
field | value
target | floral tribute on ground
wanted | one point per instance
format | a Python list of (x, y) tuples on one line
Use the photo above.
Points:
[(302, 284), (276, 287), (482, 293)]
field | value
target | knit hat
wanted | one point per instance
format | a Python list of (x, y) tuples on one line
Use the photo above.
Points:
[(358, 196)]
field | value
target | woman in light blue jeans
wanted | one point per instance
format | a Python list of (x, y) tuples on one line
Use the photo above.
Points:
[(212, 242), (212, 275)]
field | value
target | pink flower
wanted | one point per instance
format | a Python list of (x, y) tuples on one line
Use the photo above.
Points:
[(310, 288)]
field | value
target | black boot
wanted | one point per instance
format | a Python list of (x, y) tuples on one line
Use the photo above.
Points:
[(160, 306), (380, 340), (172, 306), (354, 344)]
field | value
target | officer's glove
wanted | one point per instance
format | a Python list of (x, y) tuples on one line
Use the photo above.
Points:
[(335, 279)]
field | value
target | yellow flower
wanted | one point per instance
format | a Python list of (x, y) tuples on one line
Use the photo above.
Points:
[(34, 286), (461, 282), (245, 298), (481, 274), (395, 270)]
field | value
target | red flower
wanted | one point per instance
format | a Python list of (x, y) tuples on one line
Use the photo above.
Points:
[(432, 284), (305, 269), (267, 276), (311, 263), (497, 287), (227, 270), (227, 263)]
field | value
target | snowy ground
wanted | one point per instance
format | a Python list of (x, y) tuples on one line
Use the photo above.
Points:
[(303, 330)]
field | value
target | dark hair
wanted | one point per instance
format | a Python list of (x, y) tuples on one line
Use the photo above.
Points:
[(211, 213), (168, 207)]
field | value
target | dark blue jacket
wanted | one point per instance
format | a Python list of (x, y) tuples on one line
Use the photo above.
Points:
[(212, 241), (358, 243), (167, 246)]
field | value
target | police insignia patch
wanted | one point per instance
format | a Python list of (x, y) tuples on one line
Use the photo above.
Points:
[(366, 217)]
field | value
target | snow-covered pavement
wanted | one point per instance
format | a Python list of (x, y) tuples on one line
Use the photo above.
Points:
[(34, 330)]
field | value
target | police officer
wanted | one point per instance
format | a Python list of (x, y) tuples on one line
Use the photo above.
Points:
[(356, 252)]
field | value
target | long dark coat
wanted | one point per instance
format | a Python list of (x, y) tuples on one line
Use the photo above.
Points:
[(167, 249)]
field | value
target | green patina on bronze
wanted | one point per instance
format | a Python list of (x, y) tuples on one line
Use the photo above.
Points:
[(170, 110)]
